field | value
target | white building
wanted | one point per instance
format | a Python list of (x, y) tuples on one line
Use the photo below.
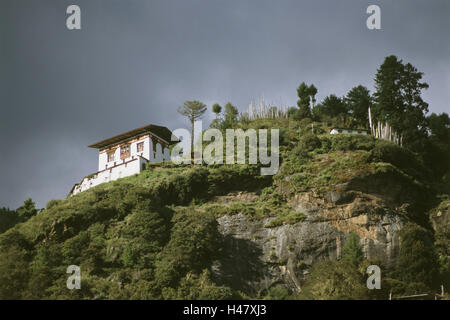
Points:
[(354, 131), (126, 154)]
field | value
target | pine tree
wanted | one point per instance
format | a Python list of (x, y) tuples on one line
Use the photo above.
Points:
[(312, 92), (352, 251), (231, 115), (303, 102), (193, 110), (398, 98), (27, 210), (358, 101), (417, 260), (216, 108)]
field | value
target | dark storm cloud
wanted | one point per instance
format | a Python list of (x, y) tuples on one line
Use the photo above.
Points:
[(134, 62)]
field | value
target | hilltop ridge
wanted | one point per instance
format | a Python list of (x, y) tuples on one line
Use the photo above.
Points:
[(225, 231)]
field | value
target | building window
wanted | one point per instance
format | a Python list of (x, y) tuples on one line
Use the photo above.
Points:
[(124, 151), (110, 156), (140, 147)]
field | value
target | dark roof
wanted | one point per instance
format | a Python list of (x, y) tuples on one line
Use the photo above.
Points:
[(160, 131)]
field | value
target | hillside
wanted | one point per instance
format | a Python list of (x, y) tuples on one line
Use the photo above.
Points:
[(225, 231)]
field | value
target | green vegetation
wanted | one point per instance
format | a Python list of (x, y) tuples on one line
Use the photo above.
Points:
[(398, 98), (126, 236), (155, 235), (306, 96), (417, 261), (335, 280), (9, 218), (352, 252)]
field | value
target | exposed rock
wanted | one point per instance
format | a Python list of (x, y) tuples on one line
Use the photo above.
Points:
[(256, 257)]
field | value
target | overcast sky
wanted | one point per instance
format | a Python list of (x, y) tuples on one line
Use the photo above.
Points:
[(134, 62)]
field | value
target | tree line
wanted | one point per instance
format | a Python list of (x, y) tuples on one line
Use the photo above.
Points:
[(397, 101)]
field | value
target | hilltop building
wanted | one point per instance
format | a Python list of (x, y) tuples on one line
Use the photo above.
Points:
[(126, 154)]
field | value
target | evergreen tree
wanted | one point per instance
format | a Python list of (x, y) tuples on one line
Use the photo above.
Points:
[(439, 126), (304, 98), (352, 251), (312, 92), (436, 148), (334, 107), (417, 260), (193, 110), (27, 210), (398, 98), (217, 109), (231, 115), (358, 101)]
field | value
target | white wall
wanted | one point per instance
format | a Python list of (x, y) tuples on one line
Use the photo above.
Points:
[(120, 171)]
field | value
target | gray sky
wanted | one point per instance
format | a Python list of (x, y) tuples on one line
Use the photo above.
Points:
[(134, 62)]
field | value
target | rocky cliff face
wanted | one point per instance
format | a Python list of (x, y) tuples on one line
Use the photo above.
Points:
[(256, 257)]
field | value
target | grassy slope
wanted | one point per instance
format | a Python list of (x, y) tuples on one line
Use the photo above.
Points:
[(94, 223)]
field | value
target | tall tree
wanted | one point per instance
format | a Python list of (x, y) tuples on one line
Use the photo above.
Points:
[(439, 126), (398, 98), (417, 260), (193, 110), (436, 148), (334, 106), (216, 108), (28, 209), (231, 115), (312, 93), (352, 251), (304, 99), (358, 101)]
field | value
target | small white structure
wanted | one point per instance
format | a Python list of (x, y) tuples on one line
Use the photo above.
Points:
[(126, 154), (354, 131)]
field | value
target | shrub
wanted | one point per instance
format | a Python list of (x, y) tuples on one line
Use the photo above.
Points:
[(385, 151), (194, 286), (331, 280), (352, 251), (351, 142), (310, 142), (151, 226), (73, 248), (193, 246), (417, 260), (13, 273), (53, 203), (277, 293)]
